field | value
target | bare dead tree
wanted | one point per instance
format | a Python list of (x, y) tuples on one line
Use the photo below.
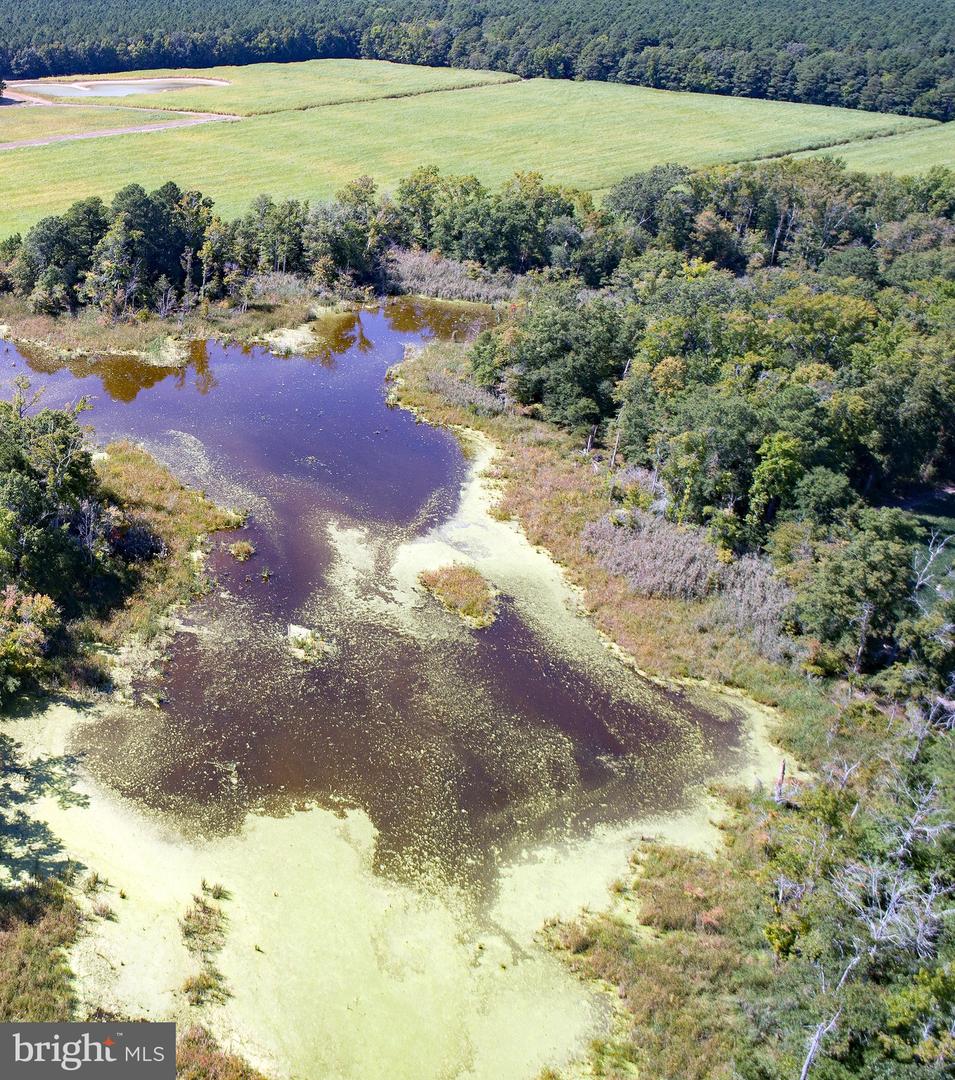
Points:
[(780, 781), (839, 772), (924, 565), (922, 823), (619, 423), (166, 303), (825, 1027), (788, 892), (929, 717), (891, 907), (864, 621), (88, 523)]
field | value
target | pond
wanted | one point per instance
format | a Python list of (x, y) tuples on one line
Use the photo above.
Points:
[(462, 746), (109, 87)]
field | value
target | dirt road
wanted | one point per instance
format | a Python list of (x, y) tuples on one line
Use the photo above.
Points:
[(16, 99)]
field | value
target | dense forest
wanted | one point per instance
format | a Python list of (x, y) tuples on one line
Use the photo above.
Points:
[(758, 361), (878, 56)]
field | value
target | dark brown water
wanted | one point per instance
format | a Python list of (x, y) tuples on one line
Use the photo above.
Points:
[(462, 746)]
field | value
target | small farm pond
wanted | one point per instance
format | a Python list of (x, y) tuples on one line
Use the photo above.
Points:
[(463, 747), (110, 87)]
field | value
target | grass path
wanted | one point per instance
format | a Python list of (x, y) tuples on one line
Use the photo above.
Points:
[(190, 120), (909, 151), (27, 124)]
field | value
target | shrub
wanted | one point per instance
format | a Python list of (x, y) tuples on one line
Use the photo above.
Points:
[(26, 623), (656, 557), (139, 543), (241, 550), (465, 394), (429, 274)]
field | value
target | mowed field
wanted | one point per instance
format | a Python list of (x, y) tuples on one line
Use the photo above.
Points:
[(269, 88), (588, 134), (912, 151), (21, 122)]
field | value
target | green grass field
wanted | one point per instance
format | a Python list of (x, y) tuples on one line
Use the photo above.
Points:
[(588, 134), (21, 122), (912, 151), (268, 88)]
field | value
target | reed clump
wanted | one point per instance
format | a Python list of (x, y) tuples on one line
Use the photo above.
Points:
[(464, 591)]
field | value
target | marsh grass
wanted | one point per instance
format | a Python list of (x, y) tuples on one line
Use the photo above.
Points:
[(198, 1057), (674, 968), (216, 890), (203, 927), (179, 516), (47, 339), (552, 489), (208, 986), (92, 883), (464, 591), (241, 550), (38, 922)]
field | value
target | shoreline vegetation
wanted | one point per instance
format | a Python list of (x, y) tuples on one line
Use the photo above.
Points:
[(151, 340), (553, 491)]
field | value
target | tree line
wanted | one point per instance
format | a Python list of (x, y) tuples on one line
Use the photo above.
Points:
[(879, 57)]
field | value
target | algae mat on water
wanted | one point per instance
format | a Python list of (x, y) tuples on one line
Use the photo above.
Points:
[(391, 825), (329, 969), (588, 134)]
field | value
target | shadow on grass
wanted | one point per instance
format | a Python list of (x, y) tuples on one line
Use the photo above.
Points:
[(28, 847)]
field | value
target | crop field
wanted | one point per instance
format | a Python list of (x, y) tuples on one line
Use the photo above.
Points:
[(21, 122), (588, 134), (912, 151), (269, 88)]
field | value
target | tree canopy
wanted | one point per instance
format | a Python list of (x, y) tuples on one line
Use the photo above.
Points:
[(881, 56)]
